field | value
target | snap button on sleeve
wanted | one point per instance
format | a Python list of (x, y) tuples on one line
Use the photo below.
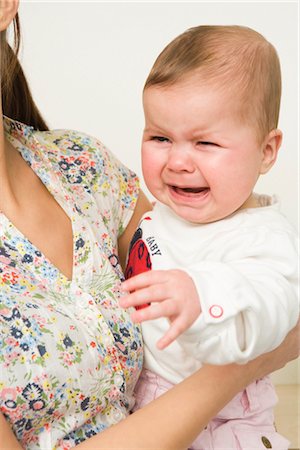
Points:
[(216, 311)]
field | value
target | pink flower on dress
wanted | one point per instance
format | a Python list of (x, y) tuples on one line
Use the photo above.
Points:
[(4, 260), (8, 394), (5, 312), (10, 341), (67, 359)]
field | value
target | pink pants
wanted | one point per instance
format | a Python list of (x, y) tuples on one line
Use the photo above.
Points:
[(246, 423)]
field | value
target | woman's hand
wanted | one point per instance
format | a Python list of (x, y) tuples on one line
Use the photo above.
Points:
[(288, 350)]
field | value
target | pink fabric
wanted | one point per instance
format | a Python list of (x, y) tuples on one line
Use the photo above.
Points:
[(246, 423)]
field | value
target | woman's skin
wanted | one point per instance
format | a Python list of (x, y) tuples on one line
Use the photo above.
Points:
[(174, 420)]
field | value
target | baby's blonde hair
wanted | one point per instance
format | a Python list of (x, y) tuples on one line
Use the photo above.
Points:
[(234, 58)]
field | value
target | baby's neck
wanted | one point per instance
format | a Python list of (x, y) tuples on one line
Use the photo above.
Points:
[(251, 202)]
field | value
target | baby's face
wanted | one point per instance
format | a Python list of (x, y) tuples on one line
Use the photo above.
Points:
[(197, 157)]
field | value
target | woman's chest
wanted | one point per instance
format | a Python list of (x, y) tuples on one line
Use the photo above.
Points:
[(66, 354), (35, 291)]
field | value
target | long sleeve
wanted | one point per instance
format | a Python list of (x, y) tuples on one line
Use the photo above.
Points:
[(249, 301)]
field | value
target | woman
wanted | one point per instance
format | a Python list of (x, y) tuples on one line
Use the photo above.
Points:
[(70, 357)]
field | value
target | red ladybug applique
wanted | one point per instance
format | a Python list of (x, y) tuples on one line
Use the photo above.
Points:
[(139, 260)]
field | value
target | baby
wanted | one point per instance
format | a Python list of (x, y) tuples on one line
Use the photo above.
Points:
[(216, 262)]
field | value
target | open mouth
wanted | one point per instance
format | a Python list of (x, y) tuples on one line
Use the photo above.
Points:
[(190, 190)]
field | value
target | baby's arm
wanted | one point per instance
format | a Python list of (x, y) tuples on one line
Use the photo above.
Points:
[(248, 302), (173, 294), (247, 306)]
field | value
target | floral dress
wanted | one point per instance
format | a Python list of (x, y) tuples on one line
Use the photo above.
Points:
[(69, 355)]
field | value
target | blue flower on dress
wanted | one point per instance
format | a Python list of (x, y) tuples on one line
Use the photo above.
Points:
[(42, 349), (15, 315), (32, 391), (90, 433), (79, 243), (64, 164), (16, 333), (20, 423), (74, 179), (67, 341), (24, 346), (134, 346), (27, 322), (49, 272), (27, 258), (76, 148), (118, 338), (85, 404), (125, 332)]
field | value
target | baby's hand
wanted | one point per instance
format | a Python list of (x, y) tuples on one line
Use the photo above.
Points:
[(173, 294)]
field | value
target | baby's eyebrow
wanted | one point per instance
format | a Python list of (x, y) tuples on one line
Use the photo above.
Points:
[(154, 129)]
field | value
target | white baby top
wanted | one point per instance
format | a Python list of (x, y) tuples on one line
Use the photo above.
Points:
[(245, 268)]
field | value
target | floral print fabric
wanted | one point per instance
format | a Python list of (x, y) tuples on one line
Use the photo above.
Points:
[(69, 356)]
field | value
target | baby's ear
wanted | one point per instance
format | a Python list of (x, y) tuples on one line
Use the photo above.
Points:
[(271, 146)]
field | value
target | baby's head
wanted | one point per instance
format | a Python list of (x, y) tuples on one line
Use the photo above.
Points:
[(211, 106)]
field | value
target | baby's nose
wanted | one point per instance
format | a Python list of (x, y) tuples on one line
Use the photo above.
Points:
[(179, 159)]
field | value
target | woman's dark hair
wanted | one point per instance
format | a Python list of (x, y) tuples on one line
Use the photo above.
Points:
[(17, 101)]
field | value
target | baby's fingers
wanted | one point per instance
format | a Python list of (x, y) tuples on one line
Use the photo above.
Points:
[(154, 311), (177, 327), (134, 299), (145, 279), (154, 293)]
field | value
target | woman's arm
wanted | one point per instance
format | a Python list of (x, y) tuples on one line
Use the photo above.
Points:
[(143, 205), (8, 440), (172, 421)]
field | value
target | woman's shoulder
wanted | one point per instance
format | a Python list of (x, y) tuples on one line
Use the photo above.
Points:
[(57, 143), (78, 158), (78, 152), (72, 144)]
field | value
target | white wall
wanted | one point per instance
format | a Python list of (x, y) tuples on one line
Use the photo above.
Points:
[(87, 62)]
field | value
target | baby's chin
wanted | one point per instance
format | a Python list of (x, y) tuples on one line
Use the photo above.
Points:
[(192, 215)]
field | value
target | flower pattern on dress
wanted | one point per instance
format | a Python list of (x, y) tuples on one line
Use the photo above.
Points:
[(69, 355)]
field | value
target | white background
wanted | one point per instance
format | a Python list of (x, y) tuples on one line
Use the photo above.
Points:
[(87, 62)]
